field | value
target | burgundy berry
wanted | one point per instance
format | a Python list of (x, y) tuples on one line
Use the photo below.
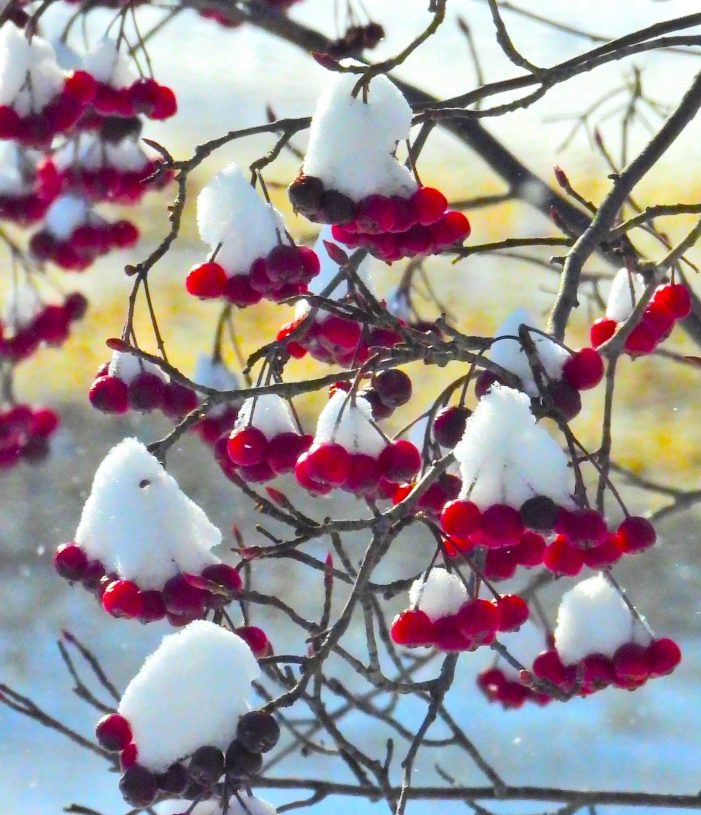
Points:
[(206, 765), (635, 534), (393, 387), (565, 399), (584, 369), (223, 575), (145, 392), (399, 461), (178, 400), (183, 599), (258, 731), (70, 561), (449, 425), (138, 786), (153, 607)]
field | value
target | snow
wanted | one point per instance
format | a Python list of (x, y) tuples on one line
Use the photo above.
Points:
[(511, 356), (621, 302), (351, 142), (523, 645), (21, 306), (349, 425), (268, 413), (505, 457), (239, 804), (189, 693), (91, 153), (126, 156), (143, 533), (440, 595), (65, 215), (127, 367), (594, 619), (230, 212), (215, 375), (18, 57), (12, 182), (110, 66)]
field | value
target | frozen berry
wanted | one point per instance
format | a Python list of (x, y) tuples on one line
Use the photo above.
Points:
[(258, 731), (153, 607), (242, 763), (460, 518), (138, 786), (206, 765), (630, 663), (328, 463), (499, 525), (174, 780), (113, 732), (565, 399), (109, 395), (70, 561), (539, 512), (478, 620), (207, 280), (122, 599), (145, 392), (183, 599), (449, 425), (256, 639), (411, 628)]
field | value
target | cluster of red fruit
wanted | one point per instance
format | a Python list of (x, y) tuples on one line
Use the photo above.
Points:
[(147, 391), (182, 599), (515, 537), (509, 693), (670, 303), (51, 325), (85, 243), (583, 370), (61, 114), (431, 502), (212, 428), (285, 271), (26, 206), (257, 732), (475, 623), (144, 97), (386, 391), (256, 458), (334, 339), (630, 667), (391, 228), (24, 434)]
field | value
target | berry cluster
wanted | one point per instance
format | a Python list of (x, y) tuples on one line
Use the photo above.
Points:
[(283, 272), (24, 434), (216, 424), (508, 692), (144, 97), (431, 502), (181, 600), (49, 324), (257, 732), (127, 382), (670, 302), (391, 228)]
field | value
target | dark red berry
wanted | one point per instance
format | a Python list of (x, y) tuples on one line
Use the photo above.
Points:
[(635, 534), (70, 561), (449, 425), (584, 369), (113, 732), (138, 786), (393, 387)]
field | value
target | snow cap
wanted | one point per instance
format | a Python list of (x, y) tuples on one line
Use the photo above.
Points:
[(127, 367), (440, 595), (65, 215), (352, 142), (349, 425), (626, 290), (108, 65), (240, 804), (269, 413), (189, 693), (506, 458), (18, 57), (139, 523)]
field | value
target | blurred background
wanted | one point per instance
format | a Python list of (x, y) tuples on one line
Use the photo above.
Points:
[(224, 80)]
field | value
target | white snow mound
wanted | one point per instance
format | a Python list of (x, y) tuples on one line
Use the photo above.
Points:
[(594, 619), (351, 142), (127, 367), (349, 425), (109, 65), (625, 292), (440, 595), (19, 58), (506, 458), (269, 413), (240, 804), (140, 524), (189, 693), (65, 215)]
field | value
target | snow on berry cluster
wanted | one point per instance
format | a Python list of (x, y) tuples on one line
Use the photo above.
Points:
[(28, 321), (242, 804), (219, 419), (129, 382), (171, 743), (350, 452), (24, 434), (352, 179), (670, 303), (143, 547), (265, 441), (38, 100), (331, 337), (252, 255), (565, 373), (24, 198), (442, 614), (517, 494), (599, 642)]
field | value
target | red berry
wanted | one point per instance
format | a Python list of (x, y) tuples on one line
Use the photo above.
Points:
[(673, 297), (328, 463), (452, 227), (630, 663), (513, 612), (659, 319), (663, 656), (499, 525), (70, 561), (256, 640), (128, 756), (284, 449), (411, 628), (122, 599), (152, 607), (460, 518), (81, 86), (427, 205), (247, 446), (341, 333), (582, 527), (166, 104), (123, 234), (548, 666), (448, 636), (109, 395), (601, 331), (283, 264), (584, 369), (223, 575), (561, 558), (9, 122), (238, 290), (365, 474), (642, 339), (182, 599), (376, 213), (305, 479), (113, 732), (449, 425), (635, 534), (478, 620), (145, 392), (399, 461), (178, 400), (143, 95), (207, 280), (603, 555), (500, 564), (597, 672)]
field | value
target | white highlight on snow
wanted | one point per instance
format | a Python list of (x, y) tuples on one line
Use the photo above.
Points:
[(349, 425), (230, 212), (109, 65), (510, 355), (127, 367), (241, 804), (189, 693), (19, 58), (215, 375), (351, 142), (268, 413), (625, 292), (523, 645), (65, 215), (506, 458), (594, 619), (139, 523), (440, 595)]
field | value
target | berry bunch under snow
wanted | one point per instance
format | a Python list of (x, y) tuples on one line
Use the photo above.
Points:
[(177, 743), (24, 196), (669, 304), (252, 254), (24, 434), (352, 179), (143, 547)]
